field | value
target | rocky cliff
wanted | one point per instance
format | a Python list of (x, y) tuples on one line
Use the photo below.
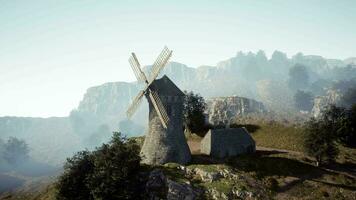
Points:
[(223, 110), (102, 109)]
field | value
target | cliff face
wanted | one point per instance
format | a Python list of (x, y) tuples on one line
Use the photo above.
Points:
[(103, 107), (321, 102), (226, 109)]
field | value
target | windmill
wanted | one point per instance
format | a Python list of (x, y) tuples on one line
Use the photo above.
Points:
[(157, 67), (164, 140)]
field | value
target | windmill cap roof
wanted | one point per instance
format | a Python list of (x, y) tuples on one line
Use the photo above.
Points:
[(165, 86)]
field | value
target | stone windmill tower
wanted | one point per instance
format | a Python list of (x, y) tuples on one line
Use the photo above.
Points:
[(164, 141)]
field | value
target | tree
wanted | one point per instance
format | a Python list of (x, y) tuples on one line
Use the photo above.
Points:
[(73, 183), (193, 113), (347, 127), (116, 170), (349, 98), (2, 146), (109, 172), (16, 151), (319, 141), (303, 100), (298, 77)]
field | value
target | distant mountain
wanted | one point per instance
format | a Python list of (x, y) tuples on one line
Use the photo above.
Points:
[(102, 109), (351, 60), (50, 139)]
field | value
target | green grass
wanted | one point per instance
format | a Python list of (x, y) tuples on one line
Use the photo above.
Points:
[(276, 135)]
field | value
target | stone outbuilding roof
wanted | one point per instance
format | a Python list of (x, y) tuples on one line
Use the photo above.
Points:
[(221, 143)]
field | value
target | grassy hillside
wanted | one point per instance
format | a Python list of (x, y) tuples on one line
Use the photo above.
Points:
[(270, 173), (276, 135)]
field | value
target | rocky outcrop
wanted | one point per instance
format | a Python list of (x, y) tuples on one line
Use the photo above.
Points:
[(162, 185), (159, 186), (321, 102), (223, 110)]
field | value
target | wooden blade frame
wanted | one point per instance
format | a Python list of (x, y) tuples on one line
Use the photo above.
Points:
[(136, 67), (135, 103), (160, 62), (158, 65), (157, 104)]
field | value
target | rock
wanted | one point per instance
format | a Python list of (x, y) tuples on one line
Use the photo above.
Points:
[(180, 191), (159, 186), (207, 176), (214, 194), (321, 102), (156, 186), (226, 109)]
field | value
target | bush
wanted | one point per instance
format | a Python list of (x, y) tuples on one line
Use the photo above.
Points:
[(319, 141), (349, 98), (271, 183), (193, 113), (347, 134), (298, 77), (73, 183), (109, 172), (15, 151), (303, 100), (341, 123)]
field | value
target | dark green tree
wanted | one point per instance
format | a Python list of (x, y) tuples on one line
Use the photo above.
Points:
[(73, 183), (109, 172), (193, 113), (303, 100), (15, 151), (319, 141), (298, 77), (347, 127), (349, 98), (116, 170)]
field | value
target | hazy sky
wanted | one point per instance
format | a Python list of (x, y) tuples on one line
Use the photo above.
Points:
[(52, 51)]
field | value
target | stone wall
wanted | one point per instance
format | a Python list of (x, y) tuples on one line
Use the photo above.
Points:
[(166, 145), (228, 142)]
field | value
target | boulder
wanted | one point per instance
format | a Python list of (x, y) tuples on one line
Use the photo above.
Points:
[(159, 186)]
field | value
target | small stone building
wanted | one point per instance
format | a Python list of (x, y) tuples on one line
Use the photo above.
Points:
[(221, 143)]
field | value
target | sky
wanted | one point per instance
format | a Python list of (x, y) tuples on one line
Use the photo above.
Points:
[(52, 51)]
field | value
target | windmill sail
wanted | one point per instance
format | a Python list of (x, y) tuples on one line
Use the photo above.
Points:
[(160, 62), (136, 67), (134, 105), (158, 65), (157, 104)]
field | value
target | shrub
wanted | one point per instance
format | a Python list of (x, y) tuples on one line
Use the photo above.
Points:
[(349, 98), (15, 151), (116, 167), (319, 141), (109, 172), (303, 100), (73, 183), (193, 113), (298, 77), (271, 183), (341, 123)]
